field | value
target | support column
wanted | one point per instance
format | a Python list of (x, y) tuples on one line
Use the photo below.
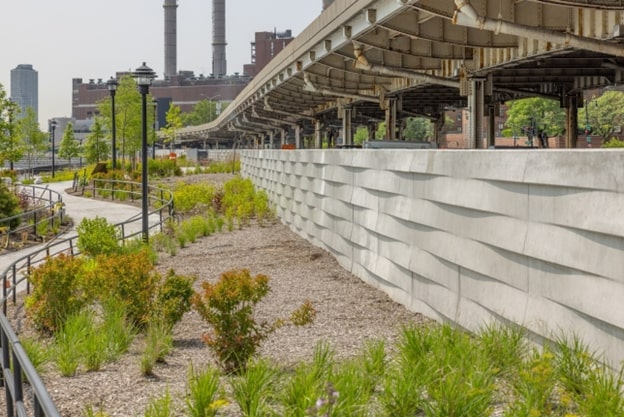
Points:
[(283, 136), (475, 103), (298, 137), (491, 131), (371, 128), (272, 139), (347, 128), (318, 138), (391, 112), (572, 121), (438, 123)]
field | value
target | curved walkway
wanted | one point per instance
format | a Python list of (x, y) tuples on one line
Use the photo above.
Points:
[(79, 208)]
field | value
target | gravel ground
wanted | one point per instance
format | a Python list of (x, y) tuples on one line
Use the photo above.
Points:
[(348, 313)]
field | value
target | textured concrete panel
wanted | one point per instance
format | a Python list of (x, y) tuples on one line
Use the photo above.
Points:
[(533, 237)]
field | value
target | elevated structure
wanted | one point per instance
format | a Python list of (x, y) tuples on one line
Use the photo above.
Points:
[(361, 62)]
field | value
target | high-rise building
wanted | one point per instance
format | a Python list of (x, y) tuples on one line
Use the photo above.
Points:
[(25, 88)]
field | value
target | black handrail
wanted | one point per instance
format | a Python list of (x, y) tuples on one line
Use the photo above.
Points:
[(17, 370), (48, 211)]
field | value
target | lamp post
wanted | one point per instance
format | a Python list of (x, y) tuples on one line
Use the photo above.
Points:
[(112, 85), (144, 76), (154, 127), (11, 111), (52, 129)]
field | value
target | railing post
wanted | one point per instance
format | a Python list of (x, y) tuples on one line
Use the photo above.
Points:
[(14, 283), (35, 223), (4, 341), (113, 190)]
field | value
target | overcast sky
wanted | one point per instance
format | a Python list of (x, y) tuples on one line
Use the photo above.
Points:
[(65, 39)]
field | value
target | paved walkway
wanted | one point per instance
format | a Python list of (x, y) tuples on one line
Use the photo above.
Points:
[(79, 208)]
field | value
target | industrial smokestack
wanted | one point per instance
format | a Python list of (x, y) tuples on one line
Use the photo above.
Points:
[(219, 64), (171, 30)]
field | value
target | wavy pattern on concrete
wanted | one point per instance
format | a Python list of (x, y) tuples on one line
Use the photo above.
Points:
[(531, 237)]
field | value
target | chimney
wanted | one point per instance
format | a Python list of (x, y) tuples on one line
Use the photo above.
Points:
[(219, 64), (171, 30)]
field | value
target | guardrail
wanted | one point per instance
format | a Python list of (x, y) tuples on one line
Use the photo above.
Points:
[(47, 211), (18, 374)]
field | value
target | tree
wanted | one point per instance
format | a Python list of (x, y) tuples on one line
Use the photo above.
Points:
[(203, 112), (603, 114), (96, 148), (542, 114), (11, 147), (69, 147), (418, 129), (127, 117), (35, 141), (174, 123)]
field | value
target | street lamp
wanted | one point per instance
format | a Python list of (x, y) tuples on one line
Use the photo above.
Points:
[(112, 85), (11, 111), (154, 127), (144, 76), (52, 129)]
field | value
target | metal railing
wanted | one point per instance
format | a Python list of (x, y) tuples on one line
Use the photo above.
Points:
[(18, 373), (47, 212)]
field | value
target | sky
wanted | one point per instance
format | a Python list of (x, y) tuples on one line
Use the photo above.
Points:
[(66, 39)]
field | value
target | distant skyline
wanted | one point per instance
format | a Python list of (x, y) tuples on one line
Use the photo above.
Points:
[(68, 39)]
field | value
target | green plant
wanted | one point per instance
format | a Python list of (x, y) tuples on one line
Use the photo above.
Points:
[(160, 407), (97, 237), (56, 294), (228, 307), (573, 362), (43, 227), (69, 342), (37, 352), (613, 143), (603, 394), (534, 387), (89, 411), (163, 242), (158, 344), (174, 297), (119, 333), (94, 347), (196, 196), (204, 397), (505, 346), (252, 389), (9, 204), (306, 385), (241, 201), (128, 279)]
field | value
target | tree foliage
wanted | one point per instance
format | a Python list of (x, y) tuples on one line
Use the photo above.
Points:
[(174, 123), (127, 117), (11, 147), (604, 114), (69, 147), (541, 113), (204, 111), (35, 141), (96, 148)]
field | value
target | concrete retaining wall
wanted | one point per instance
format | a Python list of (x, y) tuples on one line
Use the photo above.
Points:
[(534, 237)]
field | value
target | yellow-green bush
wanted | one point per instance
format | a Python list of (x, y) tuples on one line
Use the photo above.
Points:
[(188, 197)]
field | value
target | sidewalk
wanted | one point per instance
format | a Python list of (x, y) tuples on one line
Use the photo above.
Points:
[(79, 208)]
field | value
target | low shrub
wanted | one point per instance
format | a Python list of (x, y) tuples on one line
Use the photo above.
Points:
[(97, 236), (228, 307), (189, 197), (57, 292)]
